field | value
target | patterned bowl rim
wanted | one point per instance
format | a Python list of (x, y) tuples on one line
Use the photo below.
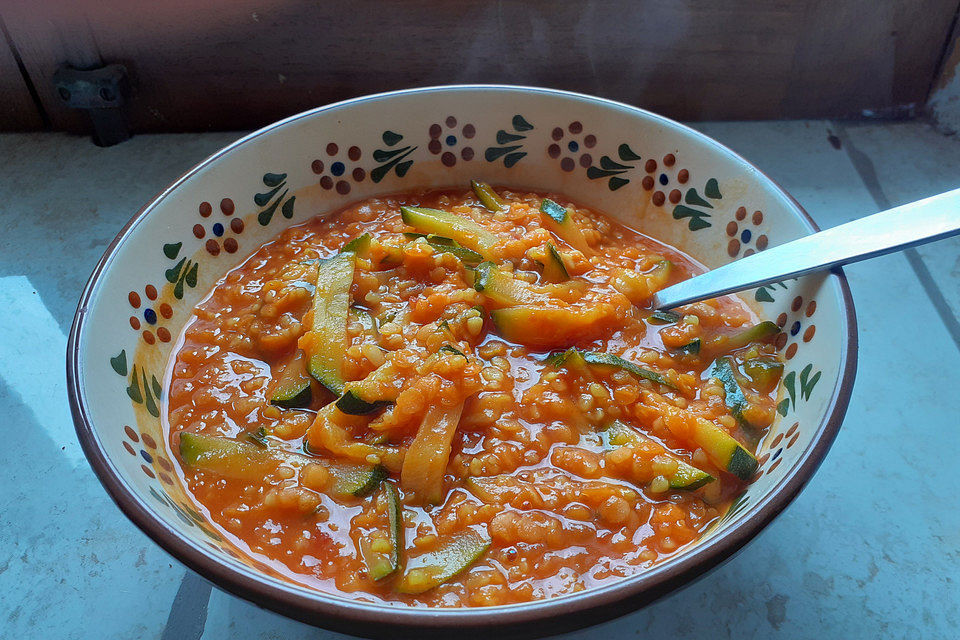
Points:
[(533, 618)]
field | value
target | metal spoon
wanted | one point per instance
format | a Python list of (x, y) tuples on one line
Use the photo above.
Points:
[(892, 230)]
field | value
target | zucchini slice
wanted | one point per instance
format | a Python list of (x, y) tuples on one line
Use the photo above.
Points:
[(686, 477), (326, 342), (487, 196), (764, 372), (724, 450), (369, 323), (453, 556), (426, 459), (449, 225), (359, 245), (554, 269), (691, 348), (243, 461), (757, 333), (503, 288), (736, 402), (447, 245), (546, 327), (292, 389), (664, 317), (597, 358), (381, 553), (557, 218), (370, 394)]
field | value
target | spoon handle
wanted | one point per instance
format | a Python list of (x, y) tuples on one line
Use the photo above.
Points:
[(892, 230)]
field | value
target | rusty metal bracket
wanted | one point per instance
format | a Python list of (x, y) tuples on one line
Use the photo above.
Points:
[(101, 93)]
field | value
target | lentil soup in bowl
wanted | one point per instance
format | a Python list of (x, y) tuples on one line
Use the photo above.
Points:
[(389, 366)]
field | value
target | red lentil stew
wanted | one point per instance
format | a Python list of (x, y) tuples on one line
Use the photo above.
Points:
[(462, 398)]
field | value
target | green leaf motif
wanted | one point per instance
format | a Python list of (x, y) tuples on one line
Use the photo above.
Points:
[(615, 183), (783, 407), (173, 272), (506, 138), (273, 179), (610, 165), (172, 250), (712, 189), (287, 208), (807, 383), (265, 216), (697, 218), (492, 153), (261, 199), (119, 363), (396, 163), (693, 197), (157, 389), (763, 295), (789, 382), (148, 397), (520, 124), (391, 138), (134, 389), (627, 154)]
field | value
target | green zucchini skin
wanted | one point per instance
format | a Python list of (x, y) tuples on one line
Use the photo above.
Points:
[(447, 245), (757, 333), (454, 556), (555, 270), (462, 230), (664, 317), (293, 389), (562, 358), (251, 463), (352, 404), (330, 309), (687, 477), (487, 196), (383, 565)]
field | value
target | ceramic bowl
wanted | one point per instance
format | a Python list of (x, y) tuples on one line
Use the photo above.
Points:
[(650, 173)]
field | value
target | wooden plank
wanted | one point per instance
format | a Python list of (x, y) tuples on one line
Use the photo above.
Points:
[(18, 112), (235, 64)]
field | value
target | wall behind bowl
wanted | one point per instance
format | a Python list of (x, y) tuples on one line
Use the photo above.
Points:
[(239, 64)]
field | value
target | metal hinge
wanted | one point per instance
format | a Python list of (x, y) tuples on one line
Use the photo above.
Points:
[(101, 93)]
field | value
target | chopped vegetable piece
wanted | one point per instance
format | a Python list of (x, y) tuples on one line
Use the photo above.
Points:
[(764, 372), (487, 196), (503, 288), (450, 349), (686, 476), (369, 323), (724, 450), (659, 276), (554, 269), (443, 223), (243, 461), (258, 437), (370, 394), (664, 317), (546, 327), (326, 342), (382, 553), (736, 402), (428, 454), (359, 245), (454, 555), (557, 219), (609, 360), (292, 388), (756, 333), (691, 348), (446, 245)]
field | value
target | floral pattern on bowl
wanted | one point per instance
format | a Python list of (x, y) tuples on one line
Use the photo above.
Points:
[(648, 172)]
